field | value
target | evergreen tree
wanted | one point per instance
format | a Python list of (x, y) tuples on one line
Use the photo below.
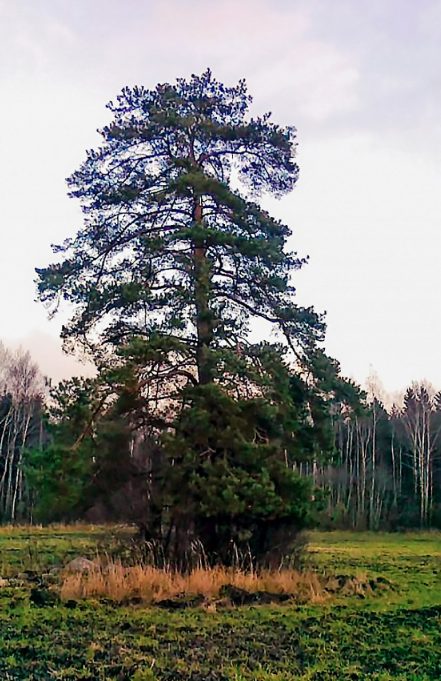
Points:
[(174, 261), (85, 461), (173, 250)]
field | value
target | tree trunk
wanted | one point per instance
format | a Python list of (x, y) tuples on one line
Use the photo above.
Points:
[(204, 324)]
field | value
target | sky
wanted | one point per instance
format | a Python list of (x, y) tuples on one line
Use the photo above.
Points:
[(360, 80)]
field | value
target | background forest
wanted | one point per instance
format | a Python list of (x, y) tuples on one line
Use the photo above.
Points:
[(382, 472)]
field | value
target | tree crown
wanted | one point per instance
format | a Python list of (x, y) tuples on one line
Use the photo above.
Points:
[(173, 246)]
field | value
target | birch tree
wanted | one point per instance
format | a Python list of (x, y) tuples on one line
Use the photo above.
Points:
[(20, 426)]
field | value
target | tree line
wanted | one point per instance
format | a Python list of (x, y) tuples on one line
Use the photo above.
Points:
[(385, 470), (72, 452), (21, 429)]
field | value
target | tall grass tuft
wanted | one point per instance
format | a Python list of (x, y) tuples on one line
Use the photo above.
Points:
[(150, 584)]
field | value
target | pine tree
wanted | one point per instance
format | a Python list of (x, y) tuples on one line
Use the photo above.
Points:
[(173, 250), (175, 260)]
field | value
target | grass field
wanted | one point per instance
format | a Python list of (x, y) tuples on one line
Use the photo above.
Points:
[(390, 634)]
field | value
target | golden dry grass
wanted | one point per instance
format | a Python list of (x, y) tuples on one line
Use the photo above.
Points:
[(117, 582)]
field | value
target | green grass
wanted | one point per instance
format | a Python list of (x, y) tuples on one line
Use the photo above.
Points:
[(395, 634), (412, 561), (39, 548)]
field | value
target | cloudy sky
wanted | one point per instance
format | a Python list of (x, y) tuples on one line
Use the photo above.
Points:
[(360, 80)]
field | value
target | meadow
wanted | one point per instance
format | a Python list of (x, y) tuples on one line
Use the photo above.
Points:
[(386, 633)]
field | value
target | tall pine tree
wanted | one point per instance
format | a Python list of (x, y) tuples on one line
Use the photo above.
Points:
[(175, 260)]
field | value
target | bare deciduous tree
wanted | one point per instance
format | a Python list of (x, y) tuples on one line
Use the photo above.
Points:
[(21, 398)]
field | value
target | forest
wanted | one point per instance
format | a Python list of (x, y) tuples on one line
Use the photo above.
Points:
[(381, 471)]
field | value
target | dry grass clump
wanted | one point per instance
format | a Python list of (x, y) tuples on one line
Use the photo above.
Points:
[(150, 584)]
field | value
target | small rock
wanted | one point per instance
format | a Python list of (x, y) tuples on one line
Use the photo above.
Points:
[(4, 582), (80, 564)]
